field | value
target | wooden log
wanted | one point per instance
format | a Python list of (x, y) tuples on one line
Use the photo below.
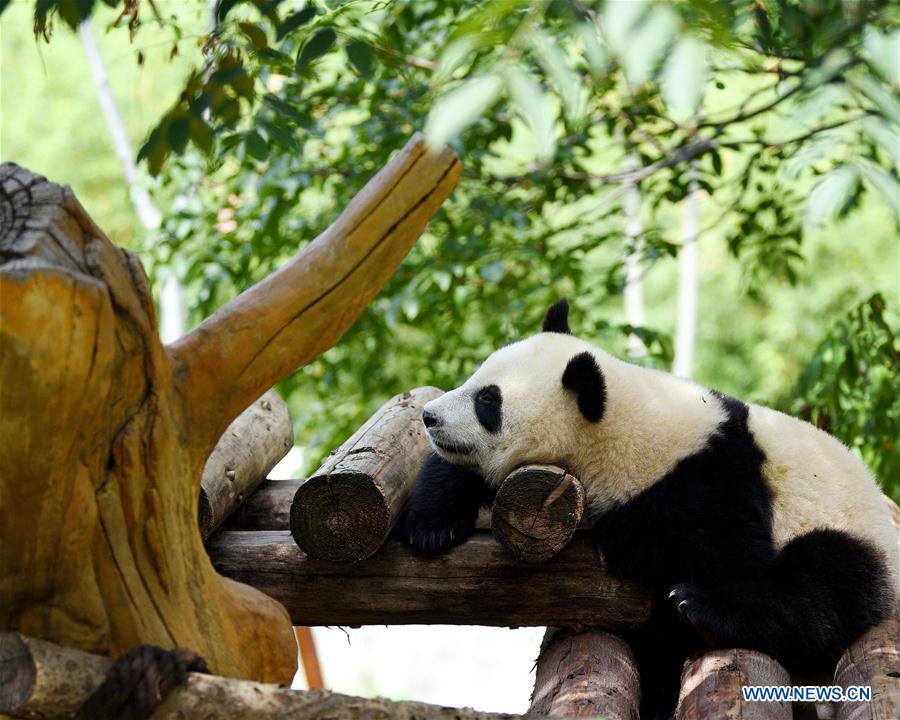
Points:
[(43, 681), (586, 674), (475, 583), (537, 510), (267, 508), (347, 508), (132, 422), (711, 687), (872, 661), (251, 446)]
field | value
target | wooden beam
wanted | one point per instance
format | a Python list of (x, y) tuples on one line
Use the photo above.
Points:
[(537, 510), (585, 674), (346, 509), (711, 687), (475, 583), (248, 449), (43, 681)]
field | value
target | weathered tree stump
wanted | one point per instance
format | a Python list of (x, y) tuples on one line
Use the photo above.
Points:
[(872, 661), (105, 432), (537, 510), (347, 508), (586, 674), (475, 583), (248, 449), (42, 681), (711, 687)]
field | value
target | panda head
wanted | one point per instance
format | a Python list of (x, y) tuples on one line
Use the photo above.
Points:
[(528, 402)]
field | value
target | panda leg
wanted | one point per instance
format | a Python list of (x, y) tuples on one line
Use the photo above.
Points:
[(444, 505), (823, 590)]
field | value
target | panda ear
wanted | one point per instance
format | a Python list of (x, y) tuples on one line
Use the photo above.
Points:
[(583, 375), (557, 318)]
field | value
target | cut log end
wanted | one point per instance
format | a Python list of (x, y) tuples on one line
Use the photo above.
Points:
[(872, 661), (537, 510), (342, 517)]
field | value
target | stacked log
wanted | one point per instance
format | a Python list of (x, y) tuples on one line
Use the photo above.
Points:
[(872, 661), (349, 506), (585, 674)]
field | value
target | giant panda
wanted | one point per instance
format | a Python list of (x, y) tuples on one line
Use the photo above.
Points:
[(749, 528)]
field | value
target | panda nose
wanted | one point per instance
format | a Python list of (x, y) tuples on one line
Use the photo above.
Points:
[(429, 418)]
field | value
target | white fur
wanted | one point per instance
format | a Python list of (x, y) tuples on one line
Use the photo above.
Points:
[(652, 420)]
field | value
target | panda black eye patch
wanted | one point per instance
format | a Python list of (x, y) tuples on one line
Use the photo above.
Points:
[(488, 404)]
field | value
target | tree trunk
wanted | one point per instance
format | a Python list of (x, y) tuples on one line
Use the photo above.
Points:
[(585, 674), (537, 510), (475, 583), (344, 512), (105, 433), (48, 682), (872, 661), (251, 446), (711, 687)]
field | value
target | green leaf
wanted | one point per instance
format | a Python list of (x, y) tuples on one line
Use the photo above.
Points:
[(831, 194), (619, 19), (597, 57), (887, 102), (565, 80), (315, 47), (684, 77), (256, 146), (883, 135), (360, 55), (883, 181), (178, 132), (535, 108), (295, 20), (255, 34), (460, 107), (648, 42), (223, 8), (883, 51)]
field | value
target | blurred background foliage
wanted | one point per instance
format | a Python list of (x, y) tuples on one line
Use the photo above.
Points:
[(784, 113)]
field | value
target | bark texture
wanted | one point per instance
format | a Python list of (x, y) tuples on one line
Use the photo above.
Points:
[(475, 583), (251, 446), (585, 674), (872, 661), (50, 683), (537, 510), (346, 509), (711, 687), (104, 432), (267, 508)]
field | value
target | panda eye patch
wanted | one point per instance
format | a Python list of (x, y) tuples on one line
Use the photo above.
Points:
[(487, 408)]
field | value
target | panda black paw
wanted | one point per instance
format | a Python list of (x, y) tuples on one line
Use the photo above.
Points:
[(434, 534), (694, 609)]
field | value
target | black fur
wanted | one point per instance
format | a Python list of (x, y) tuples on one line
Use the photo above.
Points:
[(700, 540), (583, 375), (489, 408), (557, 318), (443, 506)]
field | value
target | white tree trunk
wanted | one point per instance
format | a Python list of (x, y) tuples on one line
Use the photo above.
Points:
[(634, 278), (686, 325), (171, 302)]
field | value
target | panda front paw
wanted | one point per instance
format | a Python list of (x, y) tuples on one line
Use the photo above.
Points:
[(694, 609), (434, 534)]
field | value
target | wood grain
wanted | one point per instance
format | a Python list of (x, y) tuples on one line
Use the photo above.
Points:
[(872, 661), (475, 583)]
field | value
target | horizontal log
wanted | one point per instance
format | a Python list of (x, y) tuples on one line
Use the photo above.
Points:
[(248, 449), (347, 508), (872, 661), (475, 583), (537, 510), (711, 687), (43, 681), (586, 674), (267, 508)]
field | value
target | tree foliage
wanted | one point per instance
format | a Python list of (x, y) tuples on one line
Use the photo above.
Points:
[(784, 110)]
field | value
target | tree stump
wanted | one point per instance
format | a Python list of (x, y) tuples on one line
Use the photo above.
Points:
[(347, 508), (104, 432), (536, 511)]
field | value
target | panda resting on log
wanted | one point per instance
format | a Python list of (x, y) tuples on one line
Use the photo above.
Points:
[(750, 528)]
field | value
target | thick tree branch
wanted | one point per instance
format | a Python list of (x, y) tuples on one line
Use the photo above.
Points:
[(303, 308)]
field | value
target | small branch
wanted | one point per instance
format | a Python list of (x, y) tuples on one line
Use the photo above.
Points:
[(302, 309)]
